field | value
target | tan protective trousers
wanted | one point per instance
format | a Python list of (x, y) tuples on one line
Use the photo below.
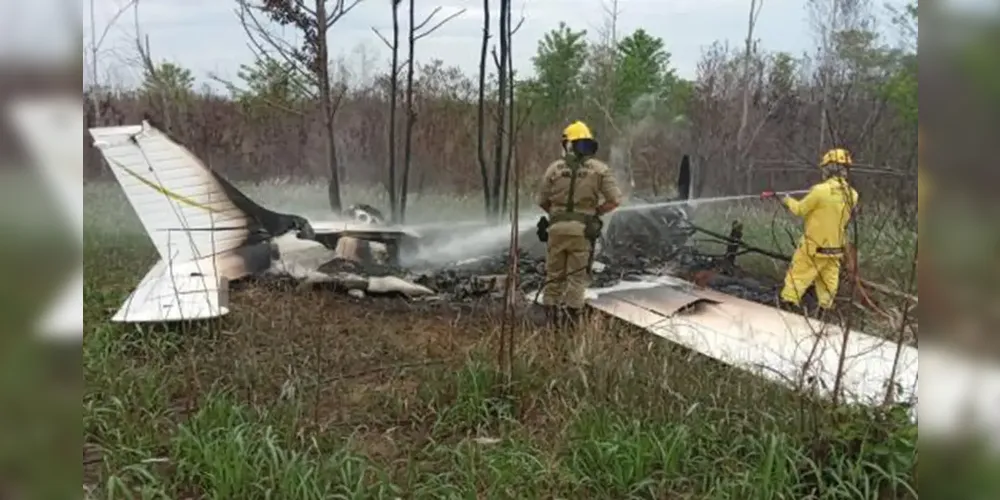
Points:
[(805, 270), (567, 274)]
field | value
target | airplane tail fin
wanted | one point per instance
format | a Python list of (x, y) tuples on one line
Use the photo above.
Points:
[(195, 218), (185, 211)]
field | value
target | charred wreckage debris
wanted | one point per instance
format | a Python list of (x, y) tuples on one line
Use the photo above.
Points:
[(634, 245)]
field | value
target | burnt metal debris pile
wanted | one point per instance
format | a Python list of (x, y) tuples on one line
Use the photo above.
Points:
[(634, 246), (486, 276)]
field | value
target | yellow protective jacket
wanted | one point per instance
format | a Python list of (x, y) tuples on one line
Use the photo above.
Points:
[(826, 209)]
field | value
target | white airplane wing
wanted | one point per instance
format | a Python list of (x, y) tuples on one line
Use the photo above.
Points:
[(362, 231), (175, 293), (784, 347)]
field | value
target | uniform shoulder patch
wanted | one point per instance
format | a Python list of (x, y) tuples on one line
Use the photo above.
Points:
[(553, 169), (596, 165)]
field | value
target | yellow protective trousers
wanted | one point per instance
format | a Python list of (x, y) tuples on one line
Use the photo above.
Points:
[(805, 270)]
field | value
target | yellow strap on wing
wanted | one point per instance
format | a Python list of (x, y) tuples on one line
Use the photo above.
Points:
[(166, 192)]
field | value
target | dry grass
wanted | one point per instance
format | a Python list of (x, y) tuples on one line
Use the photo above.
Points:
[(313, 395)]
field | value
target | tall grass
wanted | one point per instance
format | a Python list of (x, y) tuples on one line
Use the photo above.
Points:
[(308, 395)]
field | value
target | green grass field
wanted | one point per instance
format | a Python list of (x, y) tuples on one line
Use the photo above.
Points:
[(314, 396)]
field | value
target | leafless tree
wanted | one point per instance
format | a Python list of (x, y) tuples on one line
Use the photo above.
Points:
[(481, 109), (311, 60), (97, 42), (95, 92), (607, 53), (417, 31), (393, 105), (754, 14), (144, 54), (511, 131), (514, 125), (503, 107)]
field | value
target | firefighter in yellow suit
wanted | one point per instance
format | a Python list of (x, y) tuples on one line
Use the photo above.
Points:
[(826, 211), (575, 192)]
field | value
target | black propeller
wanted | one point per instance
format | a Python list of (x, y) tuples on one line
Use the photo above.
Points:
[(684, 179)]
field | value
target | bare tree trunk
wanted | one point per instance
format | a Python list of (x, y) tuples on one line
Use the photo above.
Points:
[(501, 110), (509, 62), (393, 104), (329, 110), (411, 117), (742, 147), (481, 113), (610, 105), (94, 48), (827, 24)]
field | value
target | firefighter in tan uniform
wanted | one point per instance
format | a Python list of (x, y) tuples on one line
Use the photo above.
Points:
[(575, 192)]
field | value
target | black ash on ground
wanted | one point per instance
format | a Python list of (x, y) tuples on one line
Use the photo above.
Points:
[(634, 246), (476, 278)]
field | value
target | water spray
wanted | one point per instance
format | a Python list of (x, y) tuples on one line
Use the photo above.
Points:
[(479, 238), (700, 201)]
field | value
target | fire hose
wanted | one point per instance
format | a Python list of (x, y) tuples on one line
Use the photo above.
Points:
[(852, 266), (733, 243)]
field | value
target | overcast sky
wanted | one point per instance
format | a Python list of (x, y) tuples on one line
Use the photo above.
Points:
[(205, 35)]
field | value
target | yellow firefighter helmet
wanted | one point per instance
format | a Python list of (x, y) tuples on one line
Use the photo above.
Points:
[(576, 131), (837, 156)]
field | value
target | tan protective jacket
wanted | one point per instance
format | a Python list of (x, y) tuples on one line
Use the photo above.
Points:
[(595, 185)]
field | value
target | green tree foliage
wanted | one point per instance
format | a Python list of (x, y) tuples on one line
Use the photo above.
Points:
[(864, 62), (169, 81), (882, 70), (559, 64), (642, 73), (861, 54), (781, 76), (633, 79), (268, 83), (901, 87)]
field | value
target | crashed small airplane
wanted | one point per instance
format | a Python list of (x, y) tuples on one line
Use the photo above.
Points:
[(207, 233)]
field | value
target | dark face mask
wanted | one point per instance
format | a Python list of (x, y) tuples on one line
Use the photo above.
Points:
[(829, 171), (584, 147)]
